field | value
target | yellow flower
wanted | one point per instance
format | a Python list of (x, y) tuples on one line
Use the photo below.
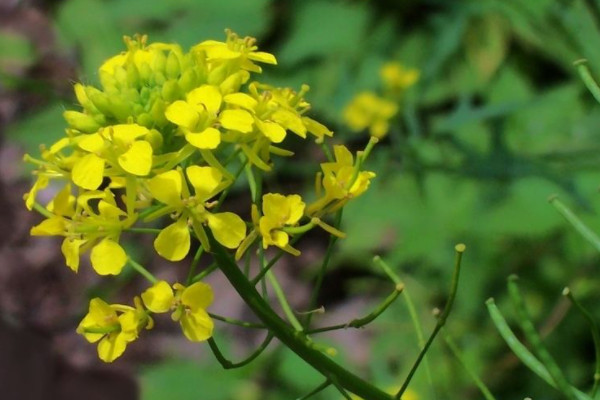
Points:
[(84, 227), (199, 114), (396, 77), (367, 110), (113, 326), (118, 143), (279, 211), (342, 180), (236, 49), (188, 304), (170, 188)]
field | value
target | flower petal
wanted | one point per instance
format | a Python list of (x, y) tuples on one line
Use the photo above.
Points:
[(88, 172), (197, 296), (241, 100), (111, 347), (70, 249), (197, 326), (205, 98), (204, 180), (49, 227), (182, 114), (228, 228), (138, 159), (173, 242), (108, 257), (272, 130), (237, 120), (166, 187), (210, 138), (159, 298)]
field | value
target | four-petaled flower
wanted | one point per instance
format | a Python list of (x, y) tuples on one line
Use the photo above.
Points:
[(113, 326), (170, 188), (279, 211), (188, 305)]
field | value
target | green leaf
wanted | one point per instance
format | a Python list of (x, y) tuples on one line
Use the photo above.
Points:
[(187, 380), (42, 127), (325, 29), (87, 25)]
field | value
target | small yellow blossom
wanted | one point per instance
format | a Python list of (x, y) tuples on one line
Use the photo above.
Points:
[(188, 305), (241, 50), (367, 110), (342, 180), (122, 143), (279, 211), (84, 227), (170, 188), (396, 77), (113, 326)]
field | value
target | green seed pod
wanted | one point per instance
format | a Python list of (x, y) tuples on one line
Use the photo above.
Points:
[(172, 69), (120, 75), (218, 75), (145, 73), (155, 139), (119, 108), (81, 122), (159, 79), (188, 80), (84, 100), (159, 62), (99, 99), (133, 76), (145, 119), (171, 91), (158, 112)]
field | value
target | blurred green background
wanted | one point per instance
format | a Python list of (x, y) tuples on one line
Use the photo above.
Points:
[(498, 122)]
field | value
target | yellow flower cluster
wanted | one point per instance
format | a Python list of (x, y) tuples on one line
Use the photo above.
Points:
[(368, 110), (157, 141)]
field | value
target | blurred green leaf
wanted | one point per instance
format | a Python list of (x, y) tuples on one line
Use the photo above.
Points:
[(486, 44), (17, 52), (325, 29), (187, 380), (42, 127), (87, 25)]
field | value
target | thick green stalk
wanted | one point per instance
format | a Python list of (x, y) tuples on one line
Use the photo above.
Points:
[(295, 341)]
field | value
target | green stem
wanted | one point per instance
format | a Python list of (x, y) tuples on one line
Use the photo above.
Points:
[(285, 305), (327, 152), (42, 210), (316, 390), (317, 288), (579, 226), (487, 394), (586, 77), (595, 336), (142, 230), (272, 262), (296, 341), (360, 322), (412, 311), (237, 322), (521, 351), (207, 271), (459, 250), (230, 365), (142, 271), (535, 340), (194, 265)]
